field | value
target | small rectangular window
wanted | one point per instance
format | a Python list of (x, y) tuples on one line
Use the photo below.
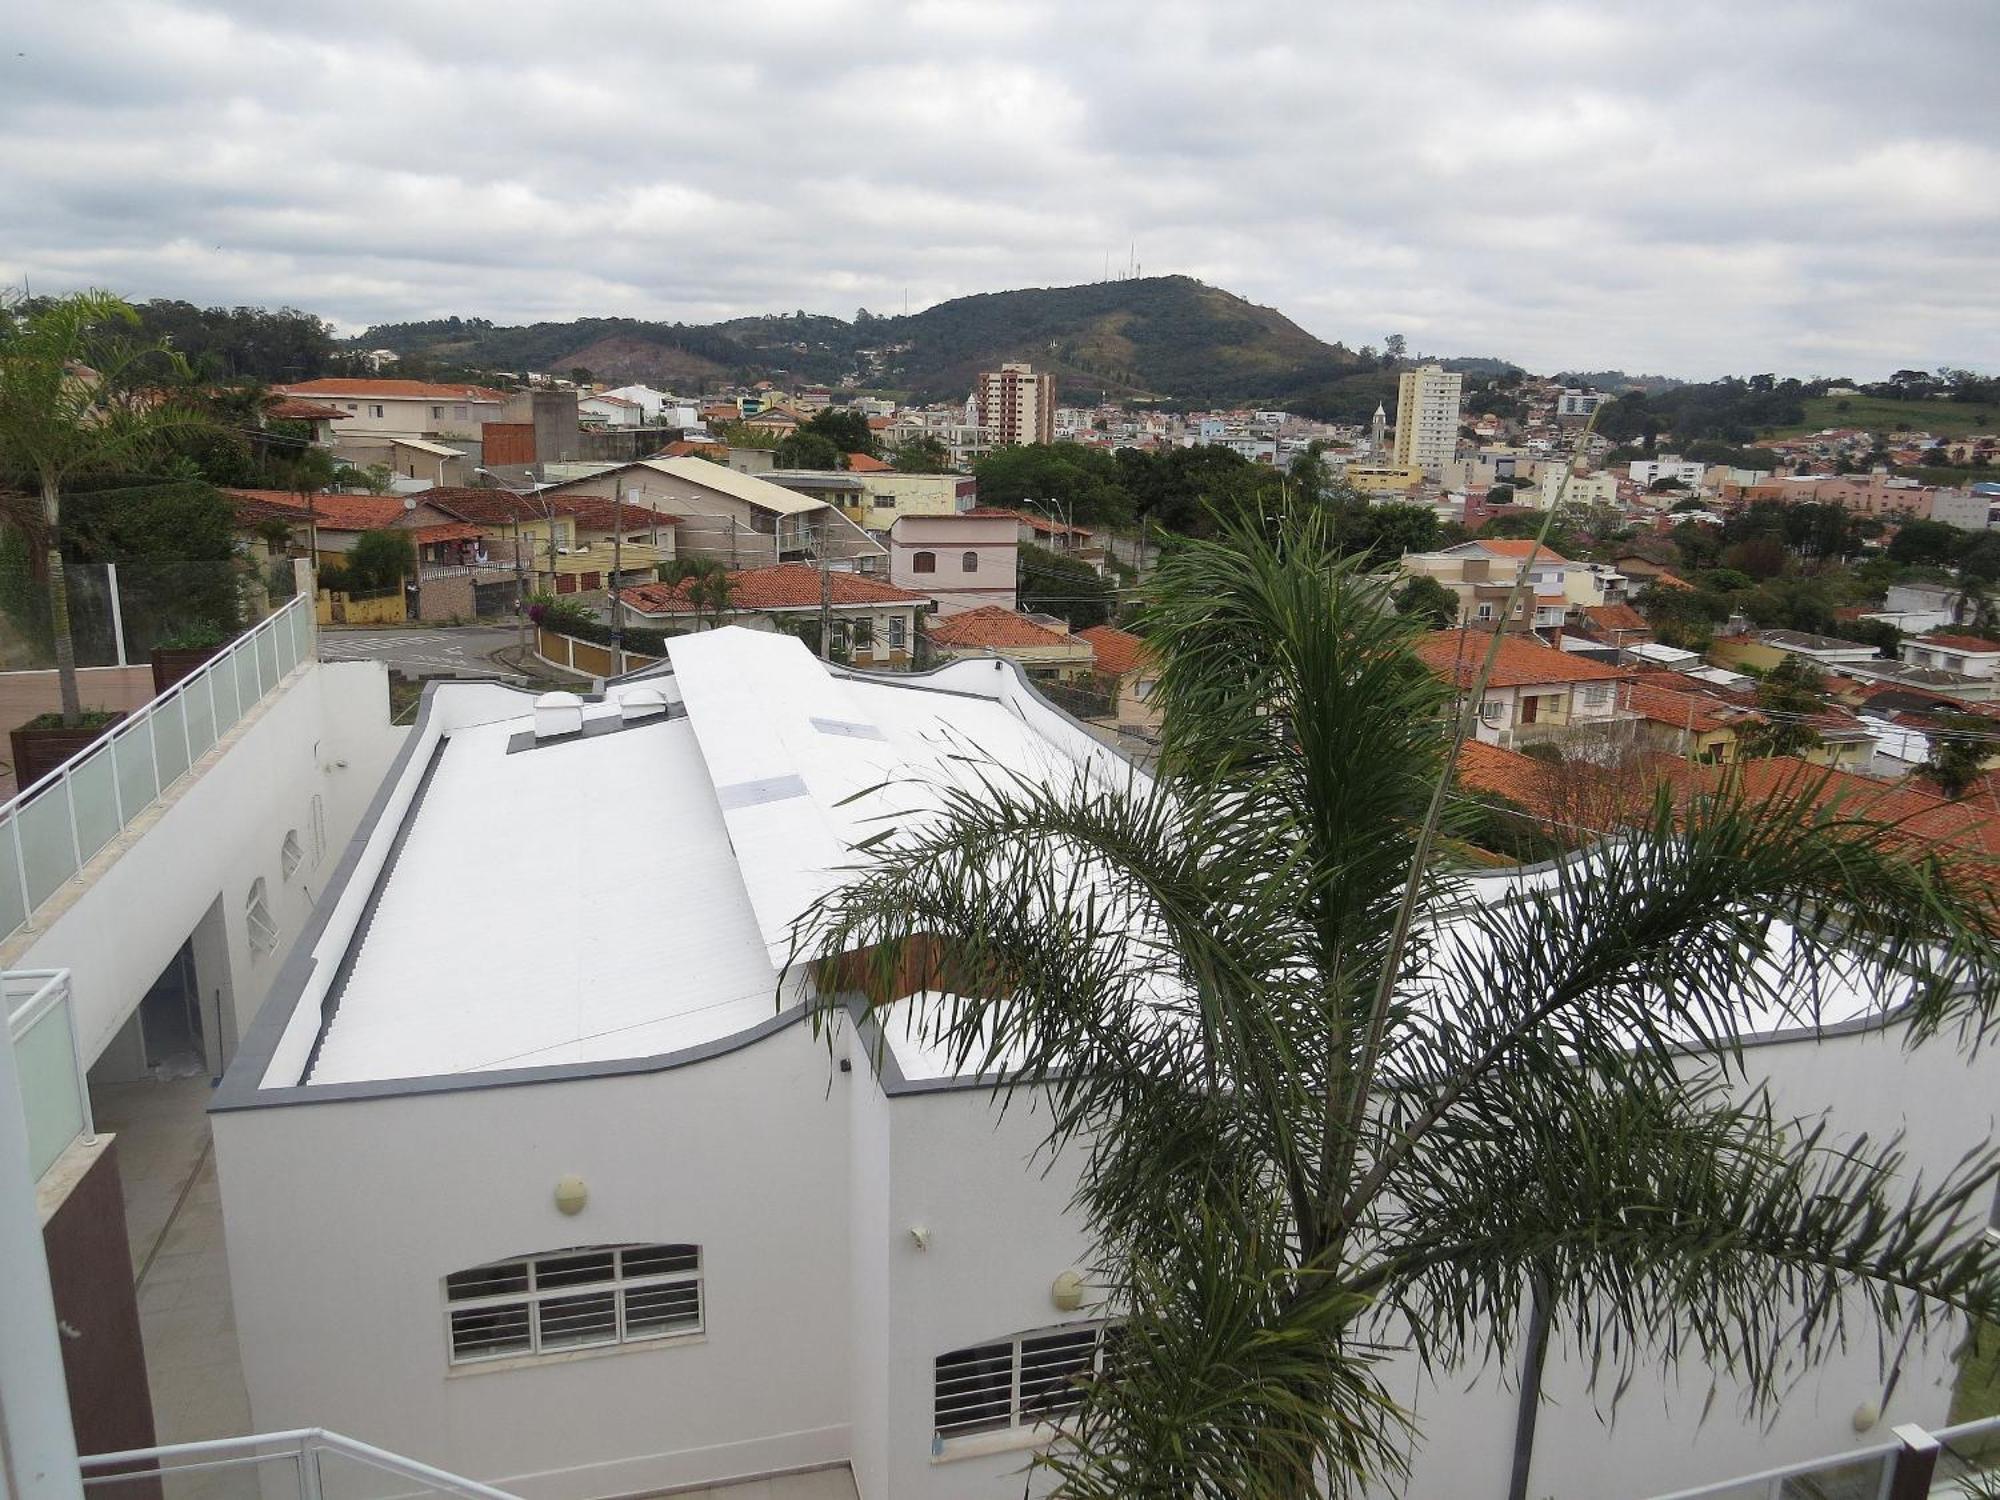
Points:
[(1021, 1382), (573, 1299), (374, 411), (898, 632)]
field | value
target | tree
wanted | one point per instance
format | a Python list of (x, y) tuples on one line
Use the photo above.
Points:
[(1084, 484), (1424, 598), (1790, 695), (1959, 747), (1920, 541), (381, 560), (1298, 1134), (579, 375), (923, 454), (1394, 348), (79, 396), (846, 428), (806, 449), (1052, 584)]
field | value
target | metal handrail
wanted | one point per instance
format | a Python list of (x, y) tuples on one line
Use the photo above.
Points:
[(295, 620), (299, 1444)]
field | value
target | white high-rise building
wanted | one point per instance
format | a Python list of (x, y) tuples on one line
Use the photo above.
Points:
[(1427, 403)]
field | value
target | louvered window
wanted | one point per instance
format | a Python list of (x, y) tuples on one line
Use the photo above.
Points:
[(1019, 1382), (573, 1299)]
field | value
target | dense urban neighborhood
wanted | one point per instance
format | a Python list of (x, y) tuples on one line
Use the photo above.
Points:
[(686, 809)]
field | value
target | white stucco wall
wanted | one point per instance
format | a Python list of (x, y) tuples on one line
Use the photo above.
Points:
[(327, 734), (343, 1219)]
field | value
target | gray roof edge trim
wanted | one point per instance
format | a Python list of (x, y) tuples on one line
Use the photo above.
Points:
[(454, 1083)]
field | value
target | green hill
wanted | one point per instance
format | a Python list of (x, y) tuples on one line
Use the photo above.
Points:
[(1880, 414), (1165, 337)]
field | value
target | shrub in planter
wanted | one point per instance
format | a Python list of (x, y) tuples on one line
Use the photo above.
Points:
[(45, 742), (181, 653)]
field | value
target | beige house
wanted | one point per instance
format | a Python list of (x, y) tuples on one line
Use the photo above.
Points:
[(380, 408), (1483, 573), (736, 519), (962, 562), (1535, 693), (1126, 665)]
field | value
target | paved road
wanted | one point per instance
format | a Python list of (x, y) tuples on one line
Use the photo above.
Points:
[(465, 650)]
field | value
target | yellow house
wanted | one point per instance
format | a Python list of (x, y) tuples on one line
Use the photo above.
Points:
[(1399, 480)]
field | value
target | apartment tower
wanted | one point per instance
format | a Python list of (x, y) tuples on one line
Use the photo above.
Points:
[(1016, 405), (1427, 402)]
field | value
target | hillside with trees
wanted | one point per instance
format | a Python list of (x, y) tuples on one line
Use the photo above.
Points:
[(1169, 338)]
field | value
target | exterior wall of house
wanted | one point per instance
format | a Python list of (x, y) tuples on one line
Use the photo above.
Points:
[(892, 629), (990, 543), (404, 416), (328, 736)]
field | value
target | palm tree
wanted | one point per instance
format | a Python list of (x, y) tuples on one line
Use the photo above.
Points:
[(72, 405), (1323, 1102)]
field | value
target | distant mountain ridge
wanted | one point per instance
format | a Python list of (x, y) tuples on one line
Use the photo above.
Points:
[(1163, 337)]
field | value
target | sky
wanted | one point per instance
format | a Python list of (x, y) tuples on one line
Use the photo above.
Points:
[(1674, 187)]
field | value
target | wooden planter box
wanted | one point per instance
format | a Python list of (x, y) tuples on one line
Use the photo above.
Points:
[(172, 663), (39, 751)]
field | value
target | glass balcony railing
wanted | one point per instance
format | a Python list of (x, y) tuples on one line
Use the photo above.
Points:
[(54, 1096), (1962, 1462), (50, 831), (308, 1464)]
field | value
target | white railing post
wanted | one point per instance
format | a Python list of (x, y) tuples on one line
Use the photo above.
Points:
[(75, 838), (309, 1476), (21, 871)]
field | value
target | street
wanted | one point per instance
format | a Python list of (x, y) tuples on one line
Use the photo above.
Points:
[(464, 650)]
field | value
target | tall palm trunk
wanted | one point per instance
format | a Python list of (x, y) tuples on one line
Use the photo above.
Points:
[(72, 704), (1534, 1360)]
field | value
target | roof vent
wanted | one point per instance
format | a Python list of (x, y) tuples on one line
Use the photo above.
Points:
[(558, 713), (642, 703)]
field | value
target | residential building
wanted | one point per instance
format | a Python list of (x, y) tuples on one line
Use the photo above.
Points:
[(1968, 510), (1427, 407), (873, 624), (1043, 646), (378, 407), (1587, 585), (1127, 666), (1577, 405), (1687, 473), (1384, 481), (737, 519), (334, 522), (875, 497), (317, 416), (1694, 726), (1015, 405), (1614, 625), (1765, 649), (961, 562), (1079, 542), (1483, 573), (562, 543), (1556, 481), (425, 464), (1534, 694), (1967, 655), (608, 410)]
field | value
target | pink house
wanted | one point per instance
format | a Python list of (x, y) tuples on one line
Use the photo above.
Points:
[(962, 562)]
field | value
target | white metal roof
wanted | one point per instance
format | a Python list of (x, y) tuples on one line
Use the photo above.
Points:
[(573, 902), (745, 487)]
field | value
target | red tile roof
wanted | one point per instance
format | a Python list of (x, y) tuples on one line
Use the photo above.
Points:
[(788, 586), (682, 448), (334, 512), (1506, 773), (1696, 711), (1615, 619), (1456, 655), (446, 531), (394, 390), (1041, 525), (994, 626), (1952, 642), (1509, 547), (293, 410), (867, 463), (1118, 651)]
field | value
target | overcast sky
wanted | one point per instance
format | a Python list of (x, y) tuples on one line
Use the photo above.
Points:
[(1672, 187)]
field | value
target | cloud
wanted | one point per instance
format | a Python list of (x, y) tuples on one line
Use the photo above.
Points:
[(1696, 189)]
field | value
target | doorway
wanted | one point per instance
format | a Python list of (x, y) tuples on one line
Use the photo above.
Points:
[(171, 1033)]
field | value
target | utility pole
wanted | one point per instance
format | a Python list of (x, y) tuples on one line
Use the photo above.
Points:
[(520, 592), (617, 560), (825, 602)]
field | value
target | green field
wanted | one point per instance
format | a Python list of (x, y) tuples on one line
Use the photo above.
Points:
[(1940, 418)]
